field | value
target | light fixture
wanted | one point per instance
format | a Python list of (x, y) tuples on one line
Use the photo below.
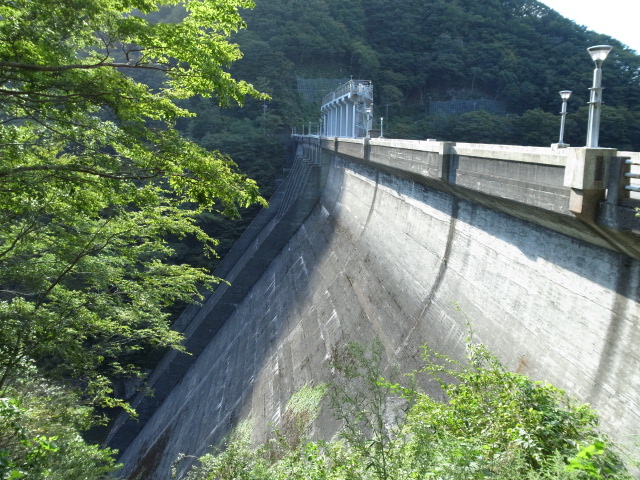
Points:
[(599, 53)]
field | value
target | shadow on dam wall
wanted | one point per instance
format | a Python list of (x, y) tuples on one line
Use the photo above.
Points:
[(381, 256)]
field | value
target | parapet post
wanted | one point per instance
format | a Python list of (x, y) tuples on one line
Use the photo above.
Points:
[(366, 149), (446, 156), (618, 180), (586, 173)]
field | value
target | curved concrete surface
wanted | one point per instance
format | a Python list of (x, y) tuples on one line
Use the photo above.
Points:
[(385, 257)]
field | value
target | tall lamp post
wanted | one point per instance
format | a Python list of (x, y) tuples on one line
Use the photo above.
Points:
[(598, 54), (564, 94)]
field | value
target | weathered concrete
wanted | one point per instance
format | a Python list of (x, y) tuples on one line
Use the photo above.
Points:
[(552, 188), (243, 266), (382, 255)]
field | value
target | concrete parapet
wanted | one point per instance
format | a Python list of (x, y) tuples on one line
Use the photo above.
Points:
[(559, 189), (586, 174), (513, 153)]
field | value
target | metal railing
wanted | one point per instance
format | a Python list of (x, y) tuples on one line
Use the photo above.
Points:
[(629, 175), (314, 129), (623, 186), (362, 88)]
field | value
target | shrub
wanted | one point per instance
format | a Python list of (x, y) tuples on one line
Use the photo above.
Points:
[(492, 423), (40, 434)]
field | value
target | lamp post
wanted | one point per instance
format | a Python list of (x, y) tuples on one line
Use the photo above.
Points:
[(598, 54), (381, 127), (564, 94)]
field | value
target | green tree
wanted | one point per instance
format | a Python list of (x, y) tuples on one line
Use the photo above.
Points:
[(360, 400), (481, 127), (40, 425), (94, 177), (536, 128)]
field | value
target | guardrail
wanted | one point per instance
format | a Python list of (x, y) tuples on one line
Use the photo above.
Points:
[(629, 175), (363, 88)]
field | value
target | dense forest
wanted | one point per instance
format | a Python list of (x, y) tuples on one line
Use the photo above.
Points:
[(519, 53), (126, 145), (516, 55)]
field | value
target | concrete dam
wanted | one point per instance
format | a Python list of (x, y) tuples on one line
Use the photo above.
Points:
[(402, 240)]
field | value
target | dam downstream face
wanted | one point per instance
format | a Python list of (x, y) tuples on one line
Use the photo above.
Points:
[(384, 257)]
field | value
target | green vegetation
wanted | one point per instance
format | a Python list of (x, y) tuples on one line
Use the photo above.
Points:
[(490, 423), (518, 52), (94, 180), (113, 190), (40, 433)]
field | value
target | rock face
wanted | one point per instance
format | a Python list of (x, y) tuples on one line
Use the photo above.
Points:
[(385, 257)]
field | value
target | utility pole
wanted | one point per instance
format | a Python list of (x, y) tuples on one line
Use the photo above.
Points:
[(386, 114), (264, 118)]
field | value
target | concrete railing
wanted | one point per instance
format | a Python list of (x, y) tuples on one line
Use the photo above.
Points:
[(562, 189)]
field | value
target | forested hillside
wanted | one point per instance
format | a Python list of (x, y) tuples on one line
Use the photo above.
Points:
[(516, 52)]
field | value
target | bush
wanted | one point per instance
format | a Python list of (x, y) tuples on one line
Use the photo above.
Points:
[(492, 424), (40, 434)]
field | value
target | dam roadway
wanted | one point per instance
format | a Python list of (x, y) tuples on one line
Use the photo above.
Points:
[(402, 241)]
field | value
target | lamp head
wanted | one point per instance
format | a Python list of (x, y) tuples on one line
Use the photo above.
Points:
[(599, 53), (565, 94)]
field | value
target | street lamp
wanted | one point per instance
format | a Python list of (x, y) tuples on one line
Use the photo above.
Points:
[(564, 94), (598, 54)]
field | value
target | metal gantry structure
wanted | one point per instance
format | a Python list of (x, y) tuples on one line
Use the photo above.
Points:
[(348, 110)]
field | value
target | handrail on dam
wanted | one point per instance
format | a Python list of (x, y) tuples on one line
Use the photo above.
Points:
[(583, 192), (359, 87)]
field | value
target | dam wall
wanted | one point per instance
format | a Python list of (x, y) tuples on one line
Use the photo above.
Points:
[(390, 255)]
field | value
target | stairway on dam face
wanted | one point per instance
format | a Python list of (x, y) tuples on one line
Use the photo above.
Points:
[(386, 257)]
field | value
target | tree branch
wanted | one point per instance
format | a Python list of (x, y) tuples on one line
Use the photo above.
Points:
[(79, 66), (4, 91), (77, 168)]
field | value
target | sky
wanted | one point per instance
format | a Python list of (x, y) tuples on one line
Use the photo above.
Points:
[(616, 18)]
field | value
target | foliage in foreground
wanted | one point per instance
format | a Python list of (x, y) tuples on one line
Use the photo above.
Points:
[(94, 181), (40, 434), (491, 424)]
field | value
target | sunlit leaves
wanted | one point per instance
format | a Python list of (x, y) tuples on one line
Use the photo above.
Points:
[(94, 180)]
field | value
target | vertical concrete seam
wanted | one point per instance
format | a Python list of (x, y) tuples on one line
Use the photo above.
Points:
[(373, 203), (444, 261), (615, 332)]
